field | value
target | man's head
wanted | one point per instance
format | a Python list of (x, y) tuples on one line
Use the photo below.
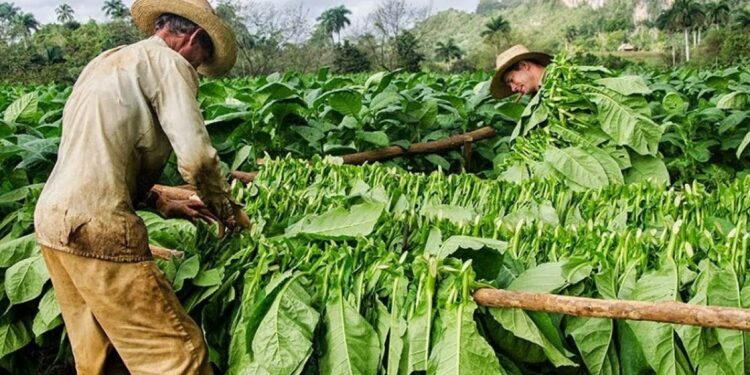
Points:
[(193, 29), (518, 71), (184, 36), (524, 77)]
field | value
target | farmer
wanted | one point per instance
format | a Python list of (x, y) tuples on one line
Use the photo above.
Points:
[(518, 71), (130, 107)]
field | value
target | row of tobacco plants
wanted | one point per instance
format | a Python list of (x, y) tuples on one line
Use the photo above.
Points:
[(370, 270), (365, 270)]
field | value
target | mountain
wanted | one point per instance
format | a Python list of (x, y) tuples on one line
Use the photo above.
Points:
[(542, 24)]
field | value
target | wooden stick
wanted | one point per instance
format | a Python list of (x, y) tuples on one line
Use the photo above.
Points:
[(664, 312), (166, 254), (433, 147)]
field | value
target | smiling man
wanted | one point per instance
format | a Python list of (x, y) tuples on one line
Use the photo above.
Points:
[(130, 108), (519, 70)]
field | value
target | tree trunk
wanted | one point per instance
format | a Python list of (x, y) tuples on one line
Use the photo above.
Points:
[(674, 55), (687, 45)]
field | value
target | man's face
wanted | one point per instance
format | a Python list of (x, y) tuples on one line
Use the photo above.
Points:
[(525, 79)]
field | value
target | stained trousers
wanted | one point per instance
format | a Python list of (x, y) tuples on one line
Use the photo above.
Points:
[(126, 307)]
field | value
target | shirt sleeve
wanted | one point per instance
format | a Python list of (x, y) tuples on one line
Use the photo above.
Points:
[(177, 109)]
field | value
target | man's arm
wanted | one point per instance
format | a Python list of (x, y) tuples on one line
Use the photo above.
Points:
[(177, 109)]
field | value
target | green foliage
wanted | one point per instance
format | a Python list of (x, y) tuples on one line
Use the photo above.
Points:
[(349, 59), (407, 52)]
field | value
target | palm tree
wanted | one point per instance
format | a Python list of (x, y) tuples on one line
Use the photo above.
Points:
[(23, 25), (742, 18), (115, 9), (26, 22), (688, 15), (718, 13), (665, 22), (8, 12), (64, 13), (449, 50), (334, 20), (495, 31)]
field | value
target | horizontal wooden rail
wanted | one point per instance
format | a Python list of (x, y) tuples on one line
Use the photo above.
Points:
[(663, 312), (441, 145)]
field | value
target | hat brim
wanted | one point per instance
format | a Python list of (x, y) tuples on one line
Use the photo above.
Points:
[(145, 13), (498, 88)]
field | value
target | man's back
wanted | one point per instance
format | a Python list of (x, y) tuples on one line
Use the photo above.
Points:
[(113, 149)]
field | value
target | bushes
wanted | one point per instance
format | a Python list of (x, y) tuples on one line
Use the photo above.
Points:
[(726, 46), (349, 59)]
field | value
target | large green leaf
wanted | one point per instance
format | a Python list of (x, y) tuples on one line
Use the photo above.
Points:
[(460, 349), (743, 145), (593, 337), (283, 341), (734, 100), (383, 100), (452, 244), (339, 223), (178, 234), (658, 340), (647, 168), (625, 85), (25, 280), (693, 337), (626, 126), (348, 103), (13, 251), (522, 326), (724, 290), (23, 109), (13, 335), (397, 326), (609, 164), (352, 345), (187, 270), (420, 327), (377, 138), (544, 278), (577, 166), (674, 104), (48, 316)]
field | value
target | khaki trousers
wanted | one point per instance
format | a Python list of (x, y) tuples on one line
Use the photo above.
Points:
[(128, 307)]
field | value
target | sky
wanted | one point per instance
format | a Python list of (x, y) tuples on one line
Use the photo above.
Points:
[(44, 10)]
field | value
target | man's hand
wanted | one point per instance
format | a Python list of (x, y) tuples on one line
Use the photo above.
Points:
[(172, 202), (191, 209)]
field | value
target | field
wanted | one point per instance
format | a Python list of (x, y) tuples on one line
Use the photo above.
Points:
[(613, 185)]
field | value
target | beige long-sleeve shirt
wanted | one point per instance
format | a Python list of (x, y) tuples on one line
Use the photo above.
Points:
[(129, 109)]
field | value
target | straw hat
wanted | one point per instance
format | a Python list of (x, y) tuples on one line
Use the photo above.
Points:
[(507, 59), (145, 13)]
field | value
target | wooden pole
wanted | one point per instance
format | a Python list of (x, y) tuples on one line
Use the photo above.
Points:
[(664, 312), (433, 147)]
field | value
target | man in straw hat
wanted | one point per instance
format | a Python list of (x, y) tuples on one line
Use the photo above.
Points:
[(519, 70), (130, 107)]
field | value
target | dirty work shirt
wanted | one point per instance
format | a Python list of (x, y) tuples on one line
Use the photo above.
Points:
[(129, 109)]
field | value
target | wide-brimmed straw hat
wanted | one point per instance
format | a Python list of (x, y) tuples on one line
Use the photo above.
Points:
[(200, 12), (507, 59)]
